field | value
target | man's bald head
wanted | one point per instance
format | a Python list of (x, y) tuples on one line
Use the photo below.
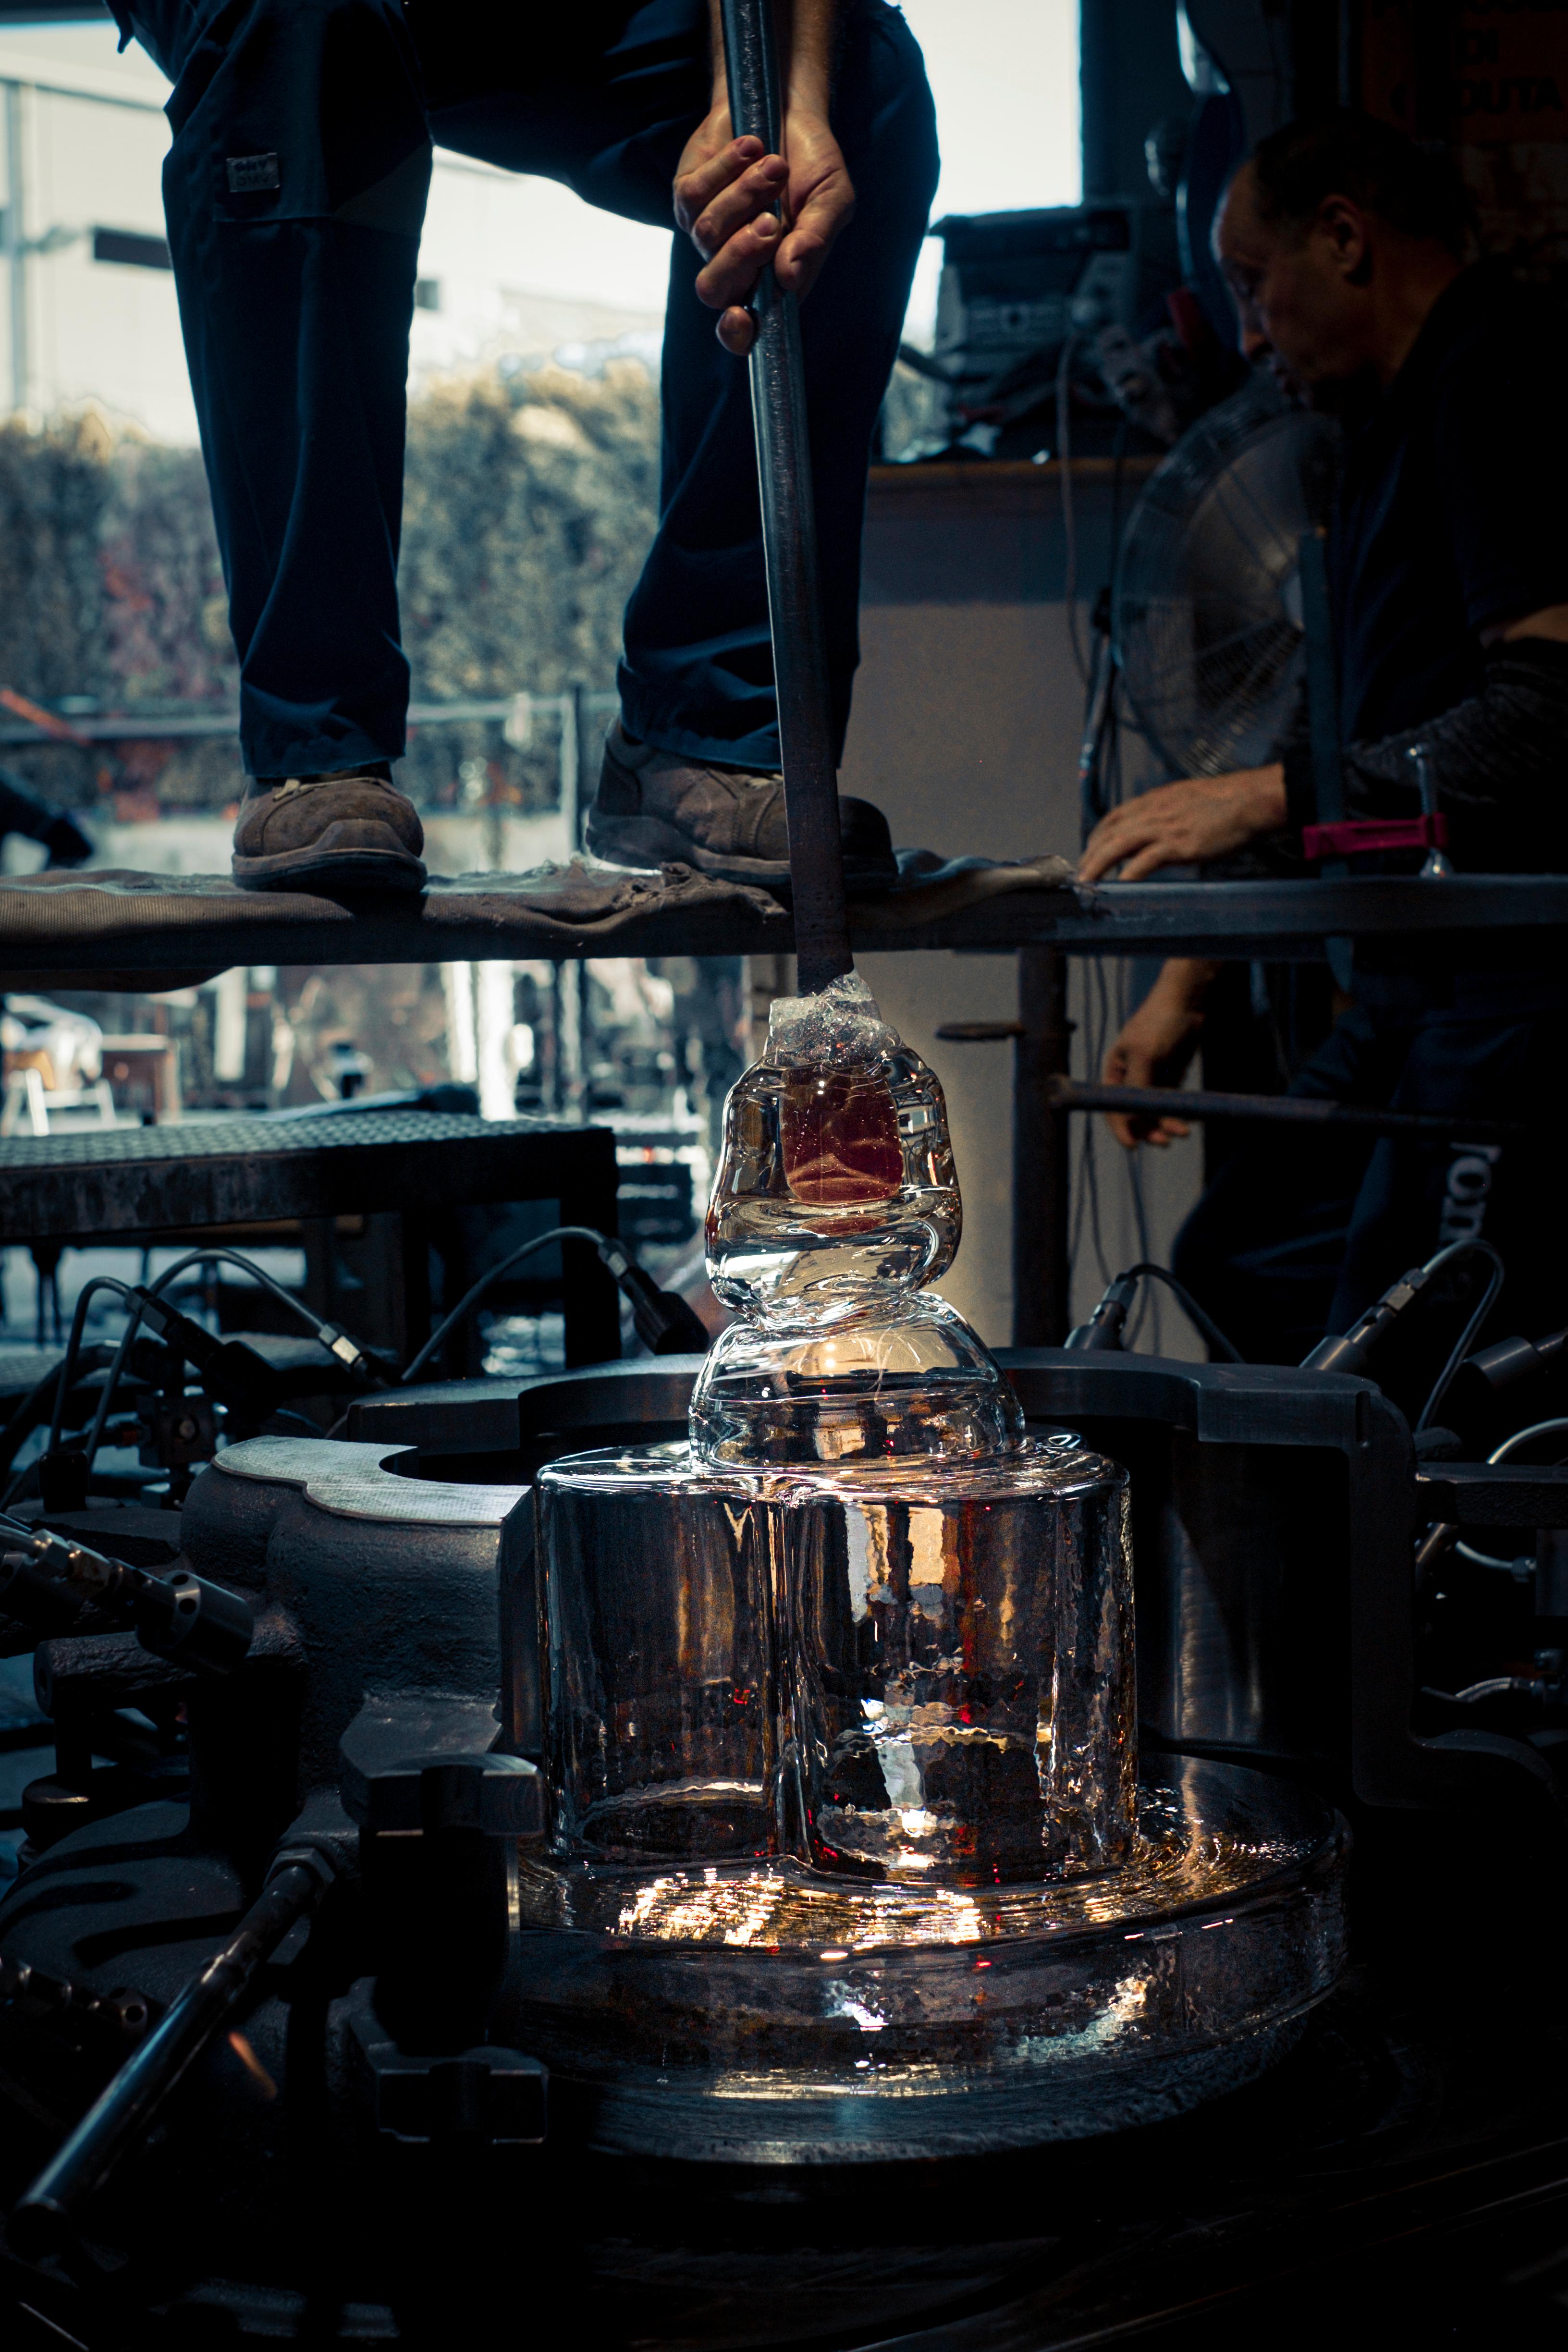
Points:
[(1336, 240)]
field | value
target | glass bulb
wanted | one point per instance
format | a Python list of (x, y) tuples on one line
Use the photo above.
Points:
[(836, 1192), (836, 1201)]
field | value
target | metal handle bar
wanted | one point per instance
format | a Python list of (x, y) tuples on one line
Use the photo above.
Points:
[(789, 544)]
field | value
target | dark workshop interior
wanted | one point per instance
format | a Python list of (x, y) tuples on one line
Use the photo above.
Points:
[(784, 1384)]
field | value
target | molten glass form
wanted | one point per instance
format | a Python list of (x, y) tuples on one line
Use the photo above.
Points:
[(835, 1202), (846, 1855), (859, 1624), (836, 1194)]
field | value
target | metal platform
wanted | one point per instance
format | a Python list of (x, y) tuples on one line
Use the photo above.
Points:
[(89, 930), (136, 1184), (81, 925), (136, 1181)]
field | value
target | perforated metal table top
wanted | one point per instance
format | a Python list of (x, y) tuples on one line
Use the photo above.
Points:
[(150, 1180)]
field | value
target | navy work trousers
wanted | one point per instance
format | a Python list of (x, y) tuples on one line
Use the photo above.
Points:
[(295, 190), (1305, 1227)]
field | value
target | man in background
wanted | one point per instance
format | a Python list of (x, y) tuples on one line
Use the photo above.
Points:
[(294, 191), (1348, 250)]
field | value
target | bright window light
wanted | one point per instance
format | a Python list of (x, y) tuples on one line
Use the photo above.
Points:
[(1005, 77)]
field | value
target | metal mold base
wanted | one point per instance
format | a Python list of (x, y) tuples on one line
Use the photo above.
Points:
[(769, 2016)]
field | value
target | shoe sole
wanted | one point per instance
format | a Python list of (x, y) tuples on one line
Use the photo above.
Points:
[(363, 868), (646, 841)]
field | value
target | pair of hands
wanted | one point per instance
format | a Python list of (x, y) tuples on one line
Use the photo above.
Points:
[(1185, 823), (728, 192)]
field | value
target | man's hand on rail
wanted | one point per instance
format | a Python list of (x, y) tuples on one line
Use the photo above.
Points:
[(1156, 1046), (1185, 824), (726, 190)]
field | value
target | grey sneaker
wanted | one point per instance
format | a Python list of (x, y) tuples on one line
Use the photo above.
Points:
[(654, 808), (349, 832)]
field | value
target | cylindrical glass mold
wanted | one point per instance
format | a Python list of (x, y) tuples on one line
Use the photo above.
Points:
[(960, 1663), (658, 1632), (901, 1675)]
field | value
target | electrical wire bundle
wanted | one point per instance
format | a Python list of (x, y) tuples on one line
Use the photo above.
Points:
[(226, 1365), (1341, 1351), (236, 1376)]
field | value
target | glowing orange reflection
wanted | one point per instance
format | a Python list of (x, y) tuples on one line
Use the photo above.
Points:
[(840, 1136)]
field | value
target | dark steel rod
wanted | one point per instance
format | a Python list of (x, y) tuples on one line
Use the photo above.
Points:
[(789, 544), (129, 2106), (1042, 1143), (1294, 1111)]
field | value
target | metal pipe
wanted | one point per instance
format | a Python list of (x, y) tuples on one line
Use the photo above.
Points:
[(46, 2214), (1295, 1110), (15, 244), (210, 725), (789, 543), (1041, 1148)]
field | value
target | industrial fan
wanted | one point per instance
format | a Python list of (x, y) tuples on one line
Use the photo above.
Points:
[(1207, 619)]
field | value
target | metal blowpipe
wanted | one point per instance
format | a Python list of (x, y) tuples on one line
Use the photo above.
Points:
[(789, 543)]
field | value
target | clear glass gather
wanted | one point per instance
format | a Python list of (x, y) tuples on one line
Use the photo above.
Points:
[(835, 1201)]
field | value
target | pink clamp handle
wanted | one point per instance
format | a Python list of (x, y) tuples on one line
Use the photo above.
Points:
[(1359, 834)]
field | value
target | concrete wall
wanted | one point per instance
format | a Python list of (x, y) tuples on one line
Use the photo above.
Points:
[(968, 712)]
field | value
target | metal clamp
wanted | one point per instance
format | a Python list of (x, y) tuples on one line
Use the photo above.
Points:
[(1354, 835)]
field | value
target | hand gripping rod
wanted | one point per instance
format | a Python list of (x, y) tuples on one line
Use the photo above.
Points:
[(789, 543)]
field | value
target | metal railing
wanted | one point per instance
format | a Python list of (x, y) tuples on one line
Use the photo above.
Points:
[(514, 713), (31, 724)]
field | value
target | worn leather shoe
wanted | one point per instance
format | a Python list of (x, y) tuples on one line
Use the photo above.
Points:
[(654, 808), (349, 832)]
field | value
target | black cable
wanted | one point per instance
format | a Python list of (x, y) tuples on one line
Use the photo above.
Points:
[(36, 1405), (100, 1419), (284, 1412), (486, 1281), (1462, 1345), (1347, 1351), (335, 1342), (1202, 1321), (316, 1324), (1140, 1222), (73, 1344), (1104, 1329), (1100, 1034), (665, 1324), (20, 1424)]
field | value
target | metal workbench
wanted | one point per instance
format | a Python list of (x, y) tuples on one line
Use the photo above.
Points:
[(157, 923), (403, 1172)]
